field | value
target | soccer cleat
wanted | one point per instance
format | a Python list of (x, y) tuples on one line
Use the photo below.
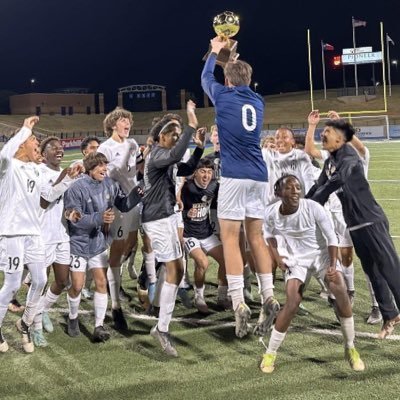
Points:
[(269, 311), (120, 323), (225, 303), (302, 310), (201, 305), (185, 299), (38, 339), (242, 318), (15, 306), (354, 359), (351, 294), (73, 327), (165, 341), (100, 334), (268, 363), (375, 316), (143, 296), (123, 296), (46, 321), (388, 327), (87, 294), (3, 343), (132, 271), (26, 340)]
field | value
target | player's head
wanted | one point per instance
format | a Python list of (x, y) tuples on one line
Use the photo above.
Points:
[(95, 165), (118, 123), (284, 140), (29, 150), (204, 172), (52, 151), (90, 145), (214, 137), (336, 133), (238, 73), (161, 125), (268, 142), (169, 134), (288, 189)]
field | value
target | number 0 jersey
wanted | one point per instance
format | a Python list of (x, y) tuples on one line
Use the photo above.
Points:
[(239, 117)]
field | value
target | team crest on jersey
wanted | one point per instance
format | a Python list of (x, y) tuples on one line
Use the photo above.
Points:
[(330, 169), (204, 198)]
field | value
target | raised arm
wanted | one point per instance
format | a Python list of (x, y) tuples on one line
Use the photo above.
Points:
[(310, 148)]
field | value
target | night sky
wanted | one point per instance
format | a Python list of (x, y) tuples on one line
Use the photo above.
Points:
[(104, 44)]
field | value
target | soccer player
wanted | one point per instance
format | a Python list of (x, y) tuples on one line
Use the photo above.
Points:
[(239, 117), (311, 249), (158, 215), (343, 173), (197, 196), (93, 197), (20, 234), (335, 207), (123, 154)]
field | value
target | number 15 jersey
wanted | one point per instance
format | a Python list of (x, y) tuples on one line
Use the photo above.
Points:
[(239, 117)]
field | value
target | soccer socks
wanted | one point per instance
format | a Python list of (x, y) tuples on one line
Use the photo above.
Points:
[(150, 265), (114, 282), (275, 341), (235, 289), (266, 286), (49, 300), (73, 304), (11, 284), (199, 292), (159, 285), (371, 292), (100, 308), (167, 304), (347, 328), (348, 274)]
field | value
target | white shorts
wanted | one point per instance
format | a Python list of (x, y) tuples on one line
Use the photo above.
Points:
[(80, 264), (206, 244), (214, 221), (241, 198), (164, 238), (58, 253), (341, 230), (179, 219), (124, 223), (318, 269), (16, 251)]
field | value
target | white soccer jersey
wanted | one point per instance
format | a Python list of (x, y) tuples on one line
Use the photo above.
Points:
[(20, 190), (306, 233), (296, 162), (122, 161), (52, 219)]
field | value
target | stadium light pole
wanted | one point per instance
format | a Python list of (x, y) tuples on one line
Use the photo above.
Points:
[(33, 81), (255, 86)]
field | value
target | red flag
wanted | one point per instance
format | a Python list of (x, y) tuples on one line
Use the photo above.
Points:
[(328, 47), (357, 23)]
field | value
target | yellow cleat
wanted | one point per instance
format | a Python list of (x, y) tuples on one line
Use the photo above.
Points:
[(354, 360), (268, 363)]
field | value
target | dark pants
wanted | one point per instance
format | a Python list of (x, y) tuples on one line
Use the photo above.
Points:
[(375, 249)]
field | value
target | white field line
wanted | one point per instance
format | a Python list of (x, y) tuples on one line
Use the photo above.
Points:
[(207, 323), (384, 180), (387, 199)]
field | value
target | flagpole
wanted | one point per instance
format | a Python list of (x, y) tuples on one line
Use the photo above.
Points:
[(354, 54), (310, 70), (383, 68), (323, 67), (388, 66)]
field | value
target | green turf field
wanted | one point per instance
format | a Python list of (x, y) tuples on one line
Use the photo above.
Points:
[(213, 363)]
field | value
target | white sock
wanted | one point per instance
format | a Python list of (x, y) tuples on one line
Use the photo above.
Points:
[(159, 285), (49, 299), (167, 305), (114, 282), (348, 274), (150, 265), (100, 307), (38, 322), (235, 289), (222, 292), (185, 281), (266, 286), (199, 292), (347, 328), (73, 304), (371, 292), (275, 341)]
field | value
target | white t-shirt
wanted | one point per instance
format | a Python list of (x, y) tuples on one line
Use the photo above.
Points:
[(52, 219), (296, 162), (21, 189), (122, 161), (306, 234)]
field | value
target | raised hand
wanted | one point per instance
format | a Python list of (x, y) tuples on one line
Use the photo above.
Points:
[(313, 117), (30, 122), (217, 44), (200, 137)]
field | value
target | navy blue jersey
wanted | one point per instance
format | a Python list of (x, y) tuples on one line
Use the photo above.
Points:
[(239, 117)]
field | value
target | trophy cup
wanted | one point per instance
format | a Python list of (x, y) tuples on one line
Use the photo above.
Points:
[(226, 25)]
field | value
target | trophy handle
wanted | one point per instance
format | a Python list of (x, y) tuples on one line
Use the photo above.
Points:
[(228, 53)]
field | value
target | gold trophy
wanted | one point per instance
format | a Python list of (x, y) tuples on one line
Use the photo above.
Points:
[(226, 25)]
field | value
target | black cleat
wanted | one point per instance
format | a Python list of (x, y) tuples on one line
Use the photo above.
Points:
[(100, 334), (120, 323), (73, 327)]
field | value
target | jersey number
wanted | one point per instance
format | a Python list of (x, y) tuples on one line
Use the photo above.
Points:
[(249, 117), (30, 185), (13, 262), (75, 263)]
